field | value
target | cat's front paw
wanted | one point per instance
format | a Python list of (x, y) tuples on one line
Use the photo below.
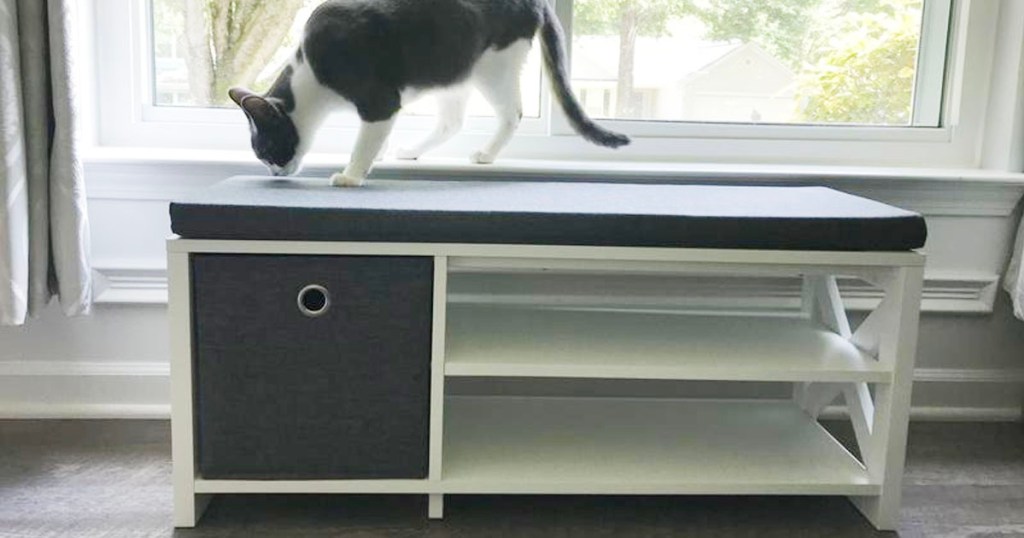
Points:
[(339, 179), (407, 154), (482, 157)]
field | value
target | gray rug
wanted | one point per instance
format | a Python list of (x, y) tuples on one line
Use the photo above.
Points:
[(112, 479)]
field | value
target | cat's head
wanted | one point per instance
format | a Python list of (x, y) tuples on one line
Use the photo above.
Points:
[(275, 139)]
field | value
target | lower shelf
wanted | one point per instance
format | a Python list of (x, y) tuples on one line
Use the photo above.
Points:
[(637, 446), (519, 445)]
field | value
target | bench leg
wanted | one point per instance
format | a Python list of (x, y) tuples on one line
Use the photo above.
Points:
[(881, 512), (188, 505), (884, 448), (435, 506), (189, 508)]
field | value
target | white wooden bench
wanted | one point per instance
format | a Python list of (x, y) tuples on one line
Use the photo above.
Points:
[(262, 404)]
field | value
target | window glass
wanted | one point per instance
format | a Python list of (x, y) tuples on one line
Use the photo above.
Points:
[(748, 61), (201, 48)]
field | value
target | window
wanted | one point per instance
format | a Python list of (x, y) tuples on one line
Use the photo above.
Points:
[(202, 48), (838, 81), (844, 62)]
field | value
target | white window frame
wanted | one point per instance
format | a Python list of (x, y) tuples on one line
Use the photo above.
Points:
[(929, 85), (961, 56)]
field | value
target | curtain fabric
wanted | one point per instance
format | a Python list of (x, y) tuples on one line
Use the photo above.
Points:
[(1015, 275), (44, 228)]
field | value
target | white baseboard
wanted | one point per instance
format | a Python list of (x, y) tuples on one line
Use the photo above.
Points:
[(84, 369), (87, 389), (966, 375), (65, 411), (943, 414), (945, 292), (30, 411), (139, 390)]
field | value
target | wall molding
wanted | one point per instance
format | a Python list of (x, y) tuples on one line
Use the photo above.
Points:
[(163, 412), (92, 368), (943, 414), (38, 411), (966, 375), (137, 377), (968, 293), (85, 368), (129, 286), (31, 411)]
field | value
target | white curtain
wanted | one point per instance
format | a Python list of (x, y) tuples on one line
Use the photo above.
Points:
[(1015, 275), (44, 229)]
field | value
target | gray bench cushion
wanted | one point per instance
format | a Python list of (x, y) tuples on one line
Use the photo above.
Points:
[(547, 213)]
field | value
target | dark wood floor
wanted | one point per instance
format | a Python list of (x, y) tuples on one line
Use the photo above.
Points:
[(112, 479)]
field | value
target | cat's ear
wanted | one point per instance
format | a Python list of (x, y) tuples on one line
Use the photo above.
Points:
[(238, 95), (255, 106)]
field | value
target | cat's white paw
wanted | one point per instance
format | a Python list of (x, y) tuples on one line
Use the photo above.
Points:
[(482, 157), (407, 154), (339, 179)]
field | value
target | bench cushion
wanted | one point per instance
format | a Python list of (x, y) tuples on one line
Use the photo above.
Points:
[(547, 213)]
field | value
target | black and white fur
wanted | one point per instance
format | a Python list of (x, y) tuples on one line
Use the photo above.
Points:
[(375, 55)]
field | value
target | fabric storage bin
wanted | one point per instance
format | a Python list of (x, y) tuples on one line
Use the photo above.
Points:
[(312, 366)]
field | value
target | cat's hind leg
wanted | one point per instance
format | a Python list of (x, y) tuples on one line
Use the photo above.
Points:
[(371, 139), (497, 77), (451, 108)]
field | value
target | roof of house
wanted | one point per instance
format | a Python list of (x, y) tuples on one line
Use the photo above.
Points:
[(658, 61)]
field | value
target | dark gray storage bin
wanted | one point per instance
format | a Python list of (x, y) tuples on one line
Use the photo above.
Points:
[(330, 383)]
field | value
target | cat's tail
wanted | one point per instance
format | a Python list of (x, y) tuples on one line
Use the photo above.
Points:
[(555, 59)]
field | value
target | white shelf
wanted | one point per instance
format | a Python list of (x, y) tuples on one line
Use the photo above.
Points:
[(631, 446), (525, 342)]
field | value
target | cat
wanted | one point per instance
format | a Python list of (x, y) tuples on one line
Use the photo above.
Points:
[(375, 55)]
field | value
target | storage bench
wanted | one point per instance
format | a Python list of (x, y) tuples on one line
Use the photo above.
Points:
[(313, 331)]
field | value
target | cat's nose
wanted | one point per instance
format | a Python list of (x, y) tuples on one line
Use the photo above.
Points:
[(290, 168)]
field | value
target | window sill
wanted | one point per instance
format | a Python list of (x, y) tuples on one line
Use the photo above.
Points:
[(243, 163)]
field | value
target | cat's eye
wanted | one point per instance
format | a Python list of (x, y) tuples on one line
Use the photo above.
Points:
[(314, 301)]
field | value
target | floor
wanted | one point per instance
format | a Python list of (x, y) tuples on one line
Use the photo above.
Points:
[(112, 479)]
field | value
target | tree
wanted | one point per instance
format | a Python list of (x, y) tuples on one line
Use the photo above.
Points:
[(228, 42), (866, 73), (628, 19), (779, 26)]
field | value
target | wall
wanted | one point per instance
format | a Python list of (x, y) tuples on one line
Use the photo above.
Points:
[(115, 363)]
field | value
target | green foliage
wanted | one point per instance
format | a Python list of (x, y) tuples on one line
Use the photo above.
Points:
[(866, 72), (778, 26), (605, 17), (862, 6), (857, 57)]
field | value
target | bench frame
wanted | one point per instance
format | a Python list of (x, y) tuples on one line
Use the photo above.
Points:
[(880, 417)]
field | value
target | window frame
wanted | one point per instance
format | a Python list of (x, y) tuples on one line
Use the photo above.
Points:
[(930, 85), (125, 116)]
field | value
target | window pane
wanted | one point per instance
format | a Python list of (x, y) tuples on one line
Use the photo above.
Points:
[(203, 47), (747, 61)]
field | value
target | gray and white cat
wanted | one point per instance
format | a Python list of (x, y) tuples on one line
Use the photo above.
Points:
[(375, 55)]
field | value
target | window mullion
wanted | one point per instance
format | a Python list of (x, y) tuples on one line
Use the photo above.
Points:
[(932, 63)]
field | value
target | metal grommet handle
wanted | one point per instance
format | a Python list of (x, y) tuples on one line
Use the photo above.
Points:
[(314, 301)]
